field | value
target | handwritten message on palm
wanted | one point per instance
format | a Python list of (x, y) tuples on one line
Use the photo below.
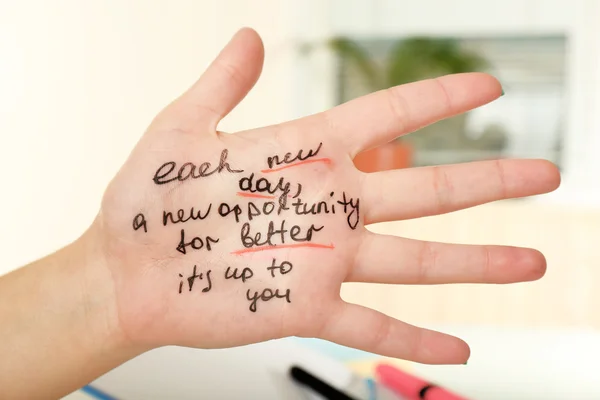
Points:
[(262, 211)]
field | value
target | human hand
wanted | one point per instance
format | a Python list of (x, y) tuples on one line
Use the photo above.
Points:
[(216, 240)]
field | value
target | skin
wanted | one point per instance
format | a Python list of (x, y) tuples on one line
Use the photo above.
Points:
[(113, 293)]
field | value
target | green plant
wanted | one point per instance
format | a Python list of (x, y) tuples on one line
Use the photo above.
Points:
[(403, 61), (407, 60)]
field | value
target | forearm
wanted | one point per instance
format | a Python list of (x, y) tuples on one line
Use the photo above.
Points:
[(59, 326)]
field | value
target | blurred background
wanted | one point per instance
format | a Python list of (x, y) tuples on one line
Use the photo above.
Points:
[(80, 81)]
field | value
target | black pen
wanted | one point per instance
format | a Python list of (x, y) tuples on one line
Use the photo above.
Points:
[(324, 389)]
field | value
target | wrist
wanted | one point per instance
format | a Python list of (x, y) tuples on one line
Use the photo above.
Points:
[(59, 319), (98, 300)]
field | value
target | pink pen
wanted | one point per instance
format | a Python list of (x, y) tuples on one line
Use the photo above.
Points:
[(410, 386)]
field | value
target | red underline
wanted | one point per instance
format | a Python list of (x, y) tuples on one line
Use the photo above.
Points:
[(256, 196), (259, 196), (283, 246), (324, 160)]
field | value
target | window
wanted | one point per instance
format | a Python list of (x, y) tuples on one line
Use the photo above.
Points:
[(527, 122)]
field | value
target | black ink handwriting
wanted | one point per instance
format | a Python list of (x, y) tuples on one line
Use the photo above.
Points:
[(244, 275), (181, 217), (225, 209), (288, 159), (353, 213), (253, 211), (256, 209), (140, 222), (196, 243), (262, 185), (278, 234), (190, 170), (284, 268), (322, 207), (192, 278), (298, 191), (266, 295)]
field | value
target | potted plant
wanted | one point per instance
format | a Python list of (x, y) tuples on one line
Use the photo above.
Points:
[(396, 63)]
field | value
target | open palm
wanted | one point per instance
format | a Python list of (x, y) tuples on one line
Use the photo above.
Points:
[(218, 240)]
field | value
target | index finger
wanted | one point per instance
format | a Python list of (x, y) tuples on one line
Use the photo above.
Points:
[(382, 116)]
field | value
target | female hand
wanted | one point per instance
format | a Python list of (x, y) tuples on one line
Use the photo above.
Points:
[(216, 240)]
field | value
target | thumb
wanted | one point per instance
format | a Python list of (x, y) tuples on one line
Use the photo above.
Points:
[(224, 84)]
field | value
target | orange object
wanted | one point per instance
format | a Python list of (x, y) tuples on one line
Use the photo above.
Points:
[(393, 155)]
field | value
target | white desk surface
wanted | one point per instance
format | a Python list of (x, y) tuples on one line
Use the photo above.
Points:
[(505, 364)]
